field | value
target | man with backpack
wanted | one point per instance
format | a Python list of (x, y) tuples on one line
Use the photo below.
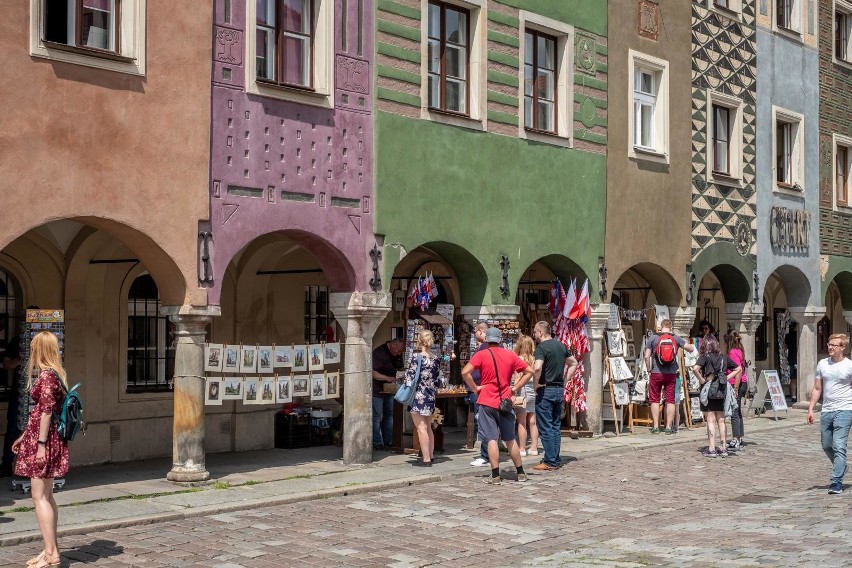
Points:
[(661, 353)]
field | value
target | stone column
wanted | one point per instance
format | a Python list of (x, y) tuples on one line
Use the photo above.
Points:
[(188, 463), (682, 320), (359, 313), (594, 367), (807, 318), (745, 318), (847, 315)]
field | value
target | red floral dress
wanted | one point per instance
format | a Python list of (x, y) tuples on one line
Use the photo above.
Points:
[(48, 395)]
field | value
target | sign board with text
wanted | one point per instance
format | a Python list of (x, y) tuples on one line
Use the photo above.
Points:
[(769, 390)]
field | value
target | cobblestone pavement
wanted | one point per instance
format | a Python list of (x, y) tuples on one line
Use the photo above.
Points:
[(668, 506)]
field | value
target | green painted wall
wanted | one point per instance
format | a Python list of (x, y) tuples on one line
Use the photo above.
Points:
[(591, 15), (489, 194)]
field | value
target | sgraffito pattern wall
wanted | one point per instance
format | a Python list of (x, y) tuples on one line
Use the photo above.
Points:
[(724, 59)]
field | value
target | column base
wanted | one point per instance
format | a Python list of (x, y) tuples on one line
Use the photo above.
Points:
[(804, 405), (187, 475)]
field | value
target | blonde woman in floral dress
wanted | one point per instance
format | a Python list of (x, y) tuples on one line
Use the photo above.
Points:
[(41, 454), (431, 379)]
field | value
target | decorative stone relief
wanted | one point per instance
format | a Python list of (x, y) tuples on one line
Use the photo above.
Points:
[(649, 19), (352, 84), (586, 57), (229, 46), (743, 238)]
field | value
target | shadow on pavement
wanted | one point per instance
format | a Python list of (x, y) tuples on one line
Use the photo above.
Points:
[(93, 551)]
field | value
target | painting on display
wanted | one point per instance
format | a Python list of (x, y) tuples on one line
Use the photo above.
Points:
[(267, 390), (301, 386), (232, 388), (250, 390), (300, 358), (264, 359), (213, 392), (231, 362), (332, 353), (318, 387), (283, 357), (213, 357), (316, 360), (332, 388), (248, 359), (284, 393)]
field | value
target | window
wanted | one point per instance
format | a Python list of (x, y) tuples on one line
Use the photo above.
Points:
[(284, 41), (725, 136), (787, 149), (150, 351), (648, 121), (784, 13), (842, 30), (291, 44), (107, 34), (448, 49), (10, 329), (721, 3), (729, 8), (539, 81), (842, 170), (317, 313)]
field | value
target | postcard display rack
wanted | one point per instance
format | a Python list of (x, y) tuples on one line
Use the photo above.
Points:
[(36, 321), (278, 374)]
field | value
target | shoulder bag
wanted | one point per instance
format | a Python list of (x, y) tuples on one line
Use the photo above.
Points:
[(505, 403), (719, 383), (405, 393)]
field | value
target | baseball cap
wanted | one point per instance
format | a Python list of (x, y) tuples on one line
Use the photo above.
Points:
[(493, 335)]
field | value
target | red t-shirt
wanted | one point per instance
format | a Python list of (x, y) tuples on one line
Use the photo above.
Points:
[(508, 363)]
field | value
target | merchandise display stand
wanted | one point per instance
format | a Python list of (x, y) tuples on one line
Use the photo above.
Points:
[(685, 401), (617, 411)]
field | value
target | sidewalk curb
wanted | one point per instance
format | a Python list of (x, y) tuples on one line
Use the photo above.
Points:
[(30, 536)]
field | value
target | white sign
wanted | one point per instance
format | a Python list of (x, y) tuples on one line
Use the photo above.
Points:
[(769, 387)]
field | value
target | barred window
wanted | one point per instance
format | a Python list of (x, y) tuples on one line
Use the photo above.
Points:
[(150, 349)]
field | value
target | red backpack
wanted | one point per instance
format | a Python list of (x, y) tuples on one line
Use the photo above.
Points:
[(666, 349)]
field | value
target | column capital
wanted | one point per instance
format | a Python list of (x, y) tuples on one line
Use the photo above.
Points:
[(744, 318), (682, 319), (493, 311), (360, 313), (598, 320), (807, 315)]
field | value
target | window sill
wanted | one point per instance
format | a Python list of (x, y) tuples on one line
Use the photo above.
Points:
[(785, 189), (727, 12), (88, 57), (725, 179), (87, 51), (788, 33), (650, 154), (841, 62), (291, 93), (452, 118), (545, 137)]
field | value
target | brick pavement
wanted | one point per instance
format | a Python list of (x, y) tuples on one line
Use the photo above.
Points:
[(767, 506)]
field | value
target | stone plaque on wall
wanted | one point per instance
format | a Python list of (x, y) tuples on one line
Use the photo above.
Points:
[(649, 19)]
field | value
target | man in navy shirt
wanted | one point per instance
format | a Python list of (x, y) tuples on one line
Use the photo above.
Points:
[(386, 360)]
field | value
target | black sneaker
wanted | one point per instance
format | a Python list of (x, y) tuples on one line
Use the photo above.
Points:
[(835, 489)]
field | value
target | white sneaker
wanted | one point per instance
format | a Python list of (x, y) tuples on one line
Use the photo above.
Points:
[(533, 452), (479, 462), (523, 453)]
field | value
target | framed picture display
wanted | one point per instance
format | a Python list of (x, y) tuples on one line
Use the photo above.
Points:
[(332, 353), (213, 357), (284, 390), (631, 350), (332, 385), (267, 390), (248, 359), (213, 392), (250, 390), (316, 359), (231, 363), (628, 333), (283, 357), (301, 386), (264, 359), (300, 358), (318, 386), (615, 343), (232, 388)]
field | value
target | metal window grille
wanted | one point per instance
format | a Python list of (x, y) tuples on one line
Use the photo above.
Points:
[(10, 320), (712, 315), (150, 351), (317, 313)]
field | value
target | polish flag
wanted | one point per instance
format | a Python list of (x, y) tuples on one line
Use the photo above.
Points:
[(570, 299)]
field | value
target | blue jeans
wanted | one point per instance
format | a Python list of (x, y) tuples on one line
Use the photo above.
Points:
[(548, 416), (834, 430), (382, 421)]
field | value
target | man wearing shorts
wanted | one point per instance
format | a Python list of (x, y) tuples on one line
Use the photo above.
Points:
[(663, 376), (496, 366)]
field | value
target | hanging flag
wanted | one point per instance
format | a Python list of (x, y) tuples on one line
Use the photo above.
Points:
[(582, 309), (570, 299), (555, 290), (433, 286)]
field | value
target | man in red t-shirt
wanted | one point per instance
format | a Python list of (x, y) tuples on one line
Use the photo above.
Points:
[(496, 367)]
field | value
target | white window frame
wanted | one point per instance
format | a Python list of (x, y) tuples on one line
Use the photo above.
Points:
[(846, 142), (845, 7), (322, 93), (797, 161), (477, 116), (735, 139), (564, 34), (131, 51), (733, 11), (660, 68), (795, 28)]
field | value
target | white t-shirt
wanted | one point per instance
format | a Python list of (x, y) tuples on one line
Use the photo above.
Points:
[(836, 384)]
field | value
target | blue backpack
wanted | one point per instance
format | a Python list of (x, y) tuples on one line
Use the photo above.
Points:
[(69, 420)]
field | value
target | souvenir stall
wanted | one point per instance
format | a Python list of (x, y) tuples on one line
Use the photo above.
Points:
[(304, 378)]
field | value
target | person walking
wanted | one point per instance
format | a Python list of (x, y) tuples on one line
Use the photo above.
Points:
[(551, 359), (41, 454), (429, 381), (479, 334), (712, 363), (386, 360), (496, 366), (525, 413), (739, 382), (661, 351), (834, 383)]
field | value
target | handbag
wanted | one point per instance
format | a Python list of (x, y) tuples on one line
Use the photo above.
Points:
[(505, 403), (719, 383), (405, 393)]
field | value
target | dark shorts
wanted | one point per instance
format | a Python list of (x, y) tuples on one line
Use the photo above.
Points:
[(657, 383), (495, 426)]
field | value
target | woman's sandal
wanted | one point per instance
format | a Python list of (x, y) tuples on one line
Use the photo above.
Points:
[(35, 559), (44, 562)]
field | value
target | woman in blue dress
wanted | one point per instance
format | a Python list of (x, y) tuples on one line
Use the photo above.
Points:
[(431, 379)]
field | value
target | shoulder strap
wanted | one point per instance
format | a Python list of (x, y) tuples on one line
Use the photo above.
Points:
[(496, 373)]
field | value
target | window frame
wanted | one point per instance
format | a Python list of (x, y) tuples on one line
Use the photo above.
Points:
[(442, 74), (280, 34), (796, 121), (642, 99), (845, 142), (536, 34), (78, 25), (843, 8), (129, 56), (716, 110), (660, 152), (734, 176), (732, 8), (161, 385), (321, 92), (792, 24)]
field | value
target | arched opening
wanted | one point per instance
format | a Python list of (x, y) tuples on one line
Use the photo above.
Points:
[(534, 285), (838, 304)]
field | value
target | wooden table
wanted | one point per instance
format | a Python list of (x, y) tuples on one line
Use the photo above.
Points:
[(398, 417)]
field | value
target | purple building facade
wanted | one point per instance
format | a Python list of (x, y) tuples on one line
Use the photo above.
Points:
[(288, 158)]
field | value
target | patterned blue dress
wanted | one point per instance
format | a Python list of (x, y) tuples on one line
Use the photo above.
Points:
[(431, 379)]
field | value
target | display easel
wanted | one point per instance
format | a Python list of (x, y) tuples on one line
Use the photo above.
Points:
[(685, 401), (617, 412), (768, 390)]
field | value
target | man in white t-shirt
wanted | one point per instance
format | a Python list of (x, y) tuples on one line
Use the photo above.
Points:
[(834, 383)]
